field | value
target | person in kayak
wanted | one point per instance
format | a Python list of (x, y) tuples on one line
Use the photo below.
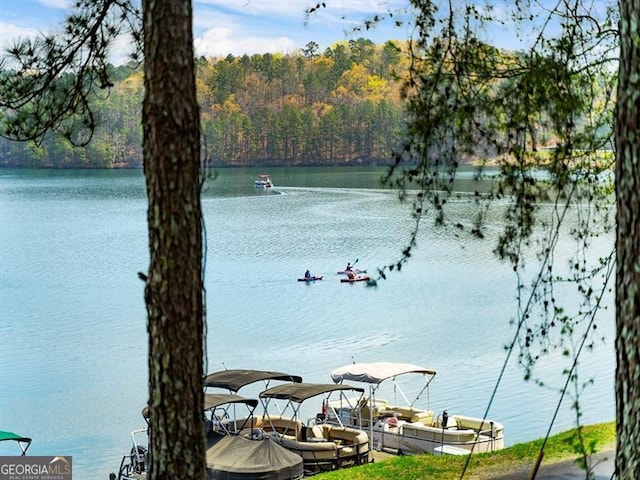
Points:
[(349, 267), (307, 274)]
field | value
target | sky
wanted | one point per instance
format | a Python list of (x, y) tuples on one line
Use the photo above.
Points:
[(236, 27)]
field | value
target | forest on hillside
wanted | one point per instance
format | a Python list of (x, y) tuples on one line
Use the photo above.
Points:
[(342, 106)]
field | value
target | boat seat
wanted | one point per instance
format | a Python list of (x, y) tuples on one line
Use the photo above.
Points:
[(425, 418), (316, 432), (346, 451), (405, 413)]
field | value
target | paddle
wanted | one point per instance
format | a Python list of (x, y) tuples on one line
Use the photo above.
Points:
[(352, 265)]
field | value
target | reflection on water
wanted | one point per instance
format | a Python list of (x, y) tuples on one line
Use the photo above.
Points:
[(73, 338)]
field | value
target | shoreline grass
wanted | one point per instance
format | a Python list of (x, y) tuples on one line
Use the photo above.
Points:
[(562, 446)]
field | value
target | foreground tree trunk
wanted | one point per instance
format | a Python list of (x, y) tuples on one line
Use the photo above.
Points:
[(628, 245), (174, 284)]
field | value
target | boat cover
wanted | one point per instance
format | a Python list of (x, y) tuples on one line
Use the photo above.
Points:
[(234, 380), (237, 458), (376, 372), (299, 392)]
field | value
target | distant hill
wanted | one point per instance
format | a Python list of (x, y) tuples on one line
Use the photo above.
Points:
[(339, 107)]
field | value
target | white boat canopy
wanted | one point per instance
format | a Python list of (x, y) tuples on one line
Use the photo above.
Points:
[(377, 372)]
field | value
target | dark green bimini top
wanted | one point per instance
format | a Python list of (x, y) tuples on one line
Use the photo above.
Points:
[(214, 400), (18, 438), (234, 380), (299, 392)]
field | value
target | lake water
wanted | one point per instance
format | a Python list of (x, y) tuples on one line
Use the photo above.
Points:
[(73, 340)]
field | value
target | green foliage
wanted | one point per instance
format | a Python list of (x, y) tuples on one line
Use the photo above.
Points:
[(519, 457), (340, 107), (544, 116), (49, 83)]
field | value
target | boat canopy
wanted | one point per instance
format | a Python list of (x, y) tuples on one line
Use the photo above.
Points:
[(214, 400), (17, 438), (299, 392), (234, 380), (377, 372)]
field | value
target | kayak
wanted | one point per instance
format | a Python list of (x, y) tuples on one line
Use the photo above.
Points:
[(309, 279), (356, 278), (357, 271)]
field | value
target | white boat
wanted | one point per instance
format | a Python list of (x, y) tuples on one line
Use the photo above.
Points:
[(405, 428), (263, 181)]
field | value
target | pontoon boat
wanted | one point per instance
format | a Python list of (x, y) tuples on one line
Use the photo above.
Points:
[(263, 181), (406, 428), (322, 446)]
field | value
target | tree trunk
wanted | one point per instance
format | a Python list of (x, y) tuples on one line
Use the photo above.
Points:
[(628, 245), (174, 293)]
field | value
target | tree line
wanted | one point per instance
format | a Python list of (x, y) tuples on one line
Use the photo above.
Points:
[(339, 107), (344, 106)]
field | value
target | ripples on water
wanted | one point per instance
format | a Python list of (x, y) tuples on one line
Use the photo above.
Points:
[(73, 329)]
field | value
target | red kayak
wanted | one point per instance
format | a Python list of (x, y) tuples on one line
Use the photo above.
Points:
[(355, 278), (309, 279)]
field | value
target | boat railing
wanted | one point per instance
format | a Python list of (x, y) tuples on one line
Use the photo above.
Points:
[(135, 463)]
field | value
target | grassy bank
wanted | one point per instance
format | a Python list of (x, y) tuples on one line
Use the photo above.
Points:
[(598, 437)]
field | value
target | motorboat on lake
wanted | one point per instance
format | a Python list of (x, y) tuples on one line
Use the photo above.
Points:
[(263, 181), (322, 446), (22, 442), (405, 428)]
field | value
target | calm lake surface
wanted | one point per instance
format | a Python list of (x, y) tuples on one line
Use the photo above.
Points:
[(73, 340)]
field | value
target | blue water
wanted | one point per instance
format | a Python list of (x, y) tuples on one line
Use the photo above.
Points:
[(73, 339)]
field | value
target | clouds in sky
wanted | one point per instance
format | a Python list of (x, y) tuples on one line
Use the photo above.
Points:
[(223, 27), (258, 26)]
